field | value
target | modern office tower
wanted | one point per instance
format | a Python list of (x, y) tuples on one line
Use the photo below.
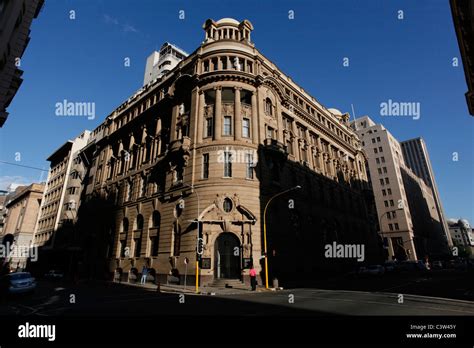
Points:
[(415, 154)]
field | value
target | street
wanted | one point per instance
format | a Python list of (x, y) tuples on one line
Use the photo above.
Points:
[(111, 299)]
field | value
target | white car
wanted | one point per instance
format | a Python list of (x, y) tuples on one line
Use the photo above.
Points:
[(17, 283)]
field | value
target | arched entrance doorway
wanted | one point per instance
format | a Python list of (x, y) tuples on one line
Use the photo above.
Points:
[(227, 256)]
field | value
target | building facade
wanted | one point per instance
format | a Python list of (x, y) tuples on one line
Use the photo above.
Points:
[(463, 20), (62, 192), (462, 234), (406, 206), (15, 20), (197, 154), (160, 63), (415, 154), (21, 217)]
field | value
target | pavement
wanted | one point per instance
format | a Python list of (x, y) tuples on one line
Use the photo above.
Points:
[(191, 290)]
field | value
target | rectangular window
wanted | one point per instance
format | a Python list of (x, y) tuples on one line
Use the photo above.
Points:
[(289, 147), (382, 182), (375, 150), (380, 149), (382, 159), (387, 181), (373, 140), (385, 170), (394, 214), (378, 139), (396, 226), (384, 193), (389, 191), (208, 128), (270, 132), (390, 226), (377, 160), (227, 125), (385, 203), (246, 128), (391, 203), (379, 170), (205, 165), (249, 164), (227, 164)]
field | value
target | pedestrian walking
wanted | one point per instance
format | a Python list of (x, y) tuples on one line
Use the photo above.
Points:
[(253, 278), (144, 274)]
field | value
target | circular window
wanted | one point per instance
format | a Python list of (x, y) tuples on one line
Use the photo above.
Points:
[(227, 205)]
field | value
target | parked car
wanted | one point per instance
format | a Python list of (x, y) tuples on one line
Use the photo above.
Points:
[(54, 275), (17, 283), (372, 270)]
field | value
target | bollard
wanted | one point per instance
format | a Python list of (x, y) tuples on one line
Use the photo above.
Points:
[(275, 283)]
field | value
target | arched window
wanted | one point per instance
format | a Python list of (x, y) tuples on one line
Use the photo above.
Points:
[(268, 107), (156, 219)]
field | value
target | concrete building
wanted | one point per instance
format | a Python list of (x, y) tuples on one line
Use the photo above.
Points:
[(160, 63), (408, 208), (22, 214), (415, 154), (462, 234), (385, 161), (15, 21), (208, 145), (463, 19), (62, 191)]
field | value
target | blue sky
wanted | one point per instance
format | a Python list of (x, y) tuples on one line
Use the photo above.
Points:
[(408, 60)]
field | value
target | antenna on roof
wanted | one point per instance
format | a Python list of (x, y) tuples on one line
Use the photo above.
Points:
[(353, 112)]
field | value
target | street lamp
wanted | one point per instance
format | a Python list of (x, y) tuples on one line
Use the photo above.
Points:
[(265, 229), (380, 224)]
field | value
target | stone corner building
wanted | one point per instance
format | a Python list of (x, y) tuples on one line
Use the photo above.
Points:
[(211, 141)]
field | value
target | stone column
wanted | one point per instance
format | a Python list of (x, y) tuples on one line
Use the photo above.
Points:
[(218, 114), (174, 119), (254, 130), (200, 115), (279, 121), (296, 144), (158, 138), (261, 119), (219, 63), (237, 115)]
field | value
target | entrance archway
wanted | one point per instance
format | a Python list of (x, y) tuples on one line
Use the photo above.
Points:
[(227, 256)]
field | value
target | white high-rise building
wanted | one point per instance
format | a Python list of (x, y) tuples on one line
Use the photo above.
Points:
[(159, 63)]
